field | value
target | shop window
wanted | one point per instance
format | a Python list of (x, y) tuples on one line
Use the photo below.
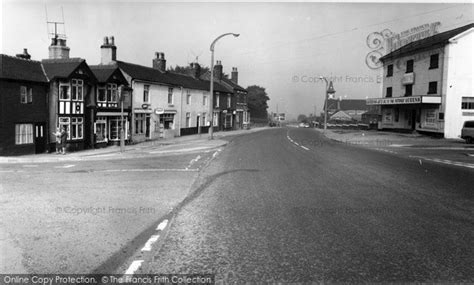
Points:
[(433, 87), (146, 93), (434, 61), (139, 123), (23, 133), (64, 122), (100, 130), (115, 125), (77, 127), (409, 66), (166, 120), (408, 90), (389, 92), (26, 95), (389, 70), (467, 103), (397, 115)]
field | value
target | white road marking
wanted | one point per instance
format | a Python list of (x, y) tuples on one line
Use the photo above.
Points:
[(444, 161), (134, 267), (179, 150), (150, 242), (30, 165), (162, 225), (65, 166), (304, 147), (148, 170), (296, 143)]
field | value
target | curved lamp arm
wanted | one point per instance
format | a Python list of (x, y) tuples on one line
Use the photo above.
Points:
[(223, 35)]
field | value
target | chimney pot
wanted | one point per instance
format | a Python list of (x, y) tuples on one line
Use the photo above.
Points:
[(112, 40), (159, 62)]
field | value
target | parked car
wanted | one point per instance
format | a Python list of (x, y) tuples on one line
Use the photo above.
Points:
[(467, 131)]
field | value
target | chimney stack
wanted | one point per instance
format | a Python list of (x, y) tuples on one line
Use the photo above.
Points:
[(234, 76), (218, 70), (108, 51), (159, 62), (24, 55), (58, 49)]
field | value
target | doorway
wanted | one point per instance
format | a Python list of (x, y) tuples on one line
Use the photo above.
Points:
[(40, 138)]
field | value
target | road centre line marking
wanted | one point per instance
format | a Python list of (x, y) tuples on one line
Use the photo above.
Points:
[(296, 143), (162, 225), (305, 147), (150, 242), (134, 267), (148, 170)]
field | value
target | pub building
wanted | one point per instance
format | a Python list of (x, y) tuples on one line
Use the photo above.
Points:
[(427, 85)]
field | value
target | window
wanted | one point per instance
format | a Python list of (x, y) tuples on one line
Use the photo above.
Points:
[(77, 89), (23, 133), (64, 91), (77, 128), (434, 61), (170, 95), (139, 123), (112, 93), (467, 103), (204, 119), (101, 94), (26, 95), (100, 129), (389, 92), (441, 116), (397, 114), (115, 125), (408, 90), (188, 120), (216, 101), (64, 122), (188, 97), (215, 119), (389, 70), (146, 93), (229, 101), (204, 100), (409, 66), (433, 87)]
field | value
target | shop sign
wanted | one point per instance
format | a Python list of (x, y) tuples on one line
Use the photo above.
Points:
[(393, 101), (159, 111)]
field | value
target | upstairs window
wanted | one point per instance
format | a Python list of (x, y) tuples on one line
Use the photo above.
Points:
[(170, 95), (188, 97), (101, 97), (64, 93), (112, 92), (433, 87), (389, 70), (408, 90), (389, 92), (409, 66), (146, 93), (77, 87), (434, 61), (229, 101), (204, 100), (216, 101), (26, 95)]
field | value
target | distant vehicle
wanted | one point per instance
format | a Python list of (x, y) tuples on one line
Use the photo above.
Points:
[(303, 125), (467, 131)]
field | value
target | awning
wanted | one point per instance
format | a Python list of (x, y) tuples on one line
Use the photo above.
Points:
[(103, 114), (142, 111), (405, 100)]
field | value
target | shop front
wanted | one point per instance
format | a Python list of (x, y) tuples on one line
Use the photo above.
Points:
[(413, 113), (165, 123), (107, 128)]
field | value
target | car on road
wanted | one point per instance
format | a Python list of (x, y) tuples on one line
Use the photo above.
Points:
[(467, 132), (303, 125)]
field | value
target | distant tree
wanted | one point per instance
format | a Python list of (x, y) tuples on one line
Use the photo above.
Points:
[(257, 102), (302, 118)]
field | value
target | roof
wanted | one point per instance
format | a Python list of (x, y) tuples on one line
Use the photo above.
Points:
[(16, 68), (168, 78), (347, 104), (103, 73), (61, 67), (227, 83), (435, 40)]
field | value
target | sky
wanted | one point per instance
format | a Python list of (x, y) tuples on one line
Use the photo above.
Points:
[(283, 47)]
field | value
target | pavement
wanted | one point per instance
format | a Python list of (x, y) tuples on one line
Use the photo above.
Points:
[(177, 145), (273, 207)]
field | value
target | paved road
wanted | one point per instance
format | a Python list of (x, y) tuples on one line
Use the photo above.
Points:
[(75, 216), (276, 206)]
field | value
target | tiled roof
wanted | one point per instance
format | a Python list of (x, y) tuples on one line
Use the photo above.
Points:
[(61, 68), (229, 88), (167, 78), (436, 40), (16, 68), (103, 72), (234, 85)]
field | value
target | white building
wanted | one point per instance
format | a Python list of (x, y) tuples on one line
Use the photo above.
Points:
[(428, 84)]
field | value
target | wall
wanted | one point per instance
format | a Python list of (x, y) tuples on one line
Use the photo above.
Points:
[(459, 83)]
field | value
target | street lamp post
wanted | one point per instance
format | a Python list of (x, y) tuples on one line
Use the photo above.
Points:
[(329, 90), (122, 133), (211, 99)]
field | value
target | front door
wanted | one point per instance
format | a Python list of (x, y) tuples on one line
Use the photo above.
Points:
[(147, 123), (40, 137)]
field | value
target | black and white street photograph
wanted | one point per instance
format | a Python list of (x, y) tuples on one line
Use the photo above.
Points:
[(211, 142)]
